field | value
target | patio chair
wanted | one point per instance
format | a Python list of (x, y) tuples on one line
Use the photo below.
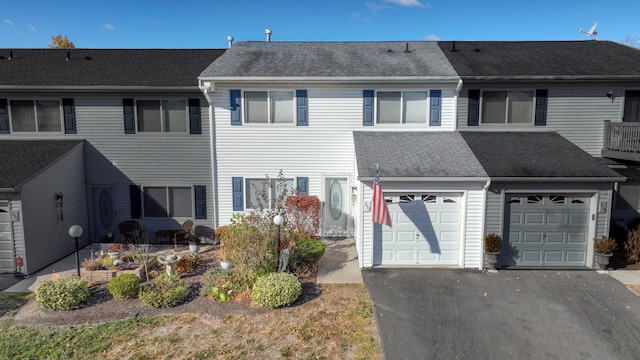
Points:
[(183, 233), (130, 230)]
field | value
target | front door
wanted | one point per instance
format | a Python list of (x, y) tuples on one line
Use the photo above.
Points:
[(335, 215), (104, 212), (6, 240), (631, 106)]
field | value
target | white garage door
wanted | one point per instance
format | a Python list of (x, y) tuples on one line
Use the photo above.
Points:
[(546, 230), (425, 231)]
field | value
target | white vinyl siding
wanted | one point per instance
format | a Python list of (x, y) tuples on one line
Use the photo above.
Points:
[(473, 225)]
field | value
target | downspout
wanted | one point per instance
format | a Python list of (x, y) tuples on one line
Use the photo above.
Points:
[(485, 189), (455, 102), (205, 87)]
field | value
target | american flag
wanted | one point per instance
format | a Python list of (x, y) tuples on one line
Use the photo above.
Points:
[(379, 212)]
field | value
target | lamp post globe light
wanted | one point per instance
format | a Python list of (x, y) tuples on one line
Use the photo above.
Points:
[(278, 219), (75, 231)]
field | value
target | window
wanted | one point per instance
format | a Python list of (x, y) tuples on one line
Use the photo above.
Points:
[(167, 202), (35, 115), (269, 107), (256, 198), (161, 115), (511, 107), (407, 107)]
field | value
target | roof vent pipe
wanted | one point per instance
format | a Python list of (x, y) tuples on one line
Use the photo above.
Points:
[(10, 54), (453, 47), (406, 49), (268, 33), (230, 40), (68, 56)]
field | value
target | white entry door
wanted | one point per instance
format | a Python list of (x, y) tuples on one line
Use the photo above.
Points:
[(104, 212), (336, 221), (6, 239), (425, 230)]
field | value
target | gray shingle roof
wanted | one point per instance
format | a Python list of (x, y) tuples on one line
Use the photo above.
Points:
[(533, 154), (415, 154), (22, 159), (547, 59), (104, 67), (331, 59)]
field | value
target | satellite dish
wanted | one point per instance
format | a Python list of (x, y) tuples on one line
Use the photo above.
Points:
[(592, 32)]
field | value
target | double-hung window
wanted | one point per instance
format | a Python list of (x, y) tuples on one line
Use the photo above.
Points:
[(510, 107), (262, 195), (406, 107), (35, 115), (269, 107), (161, 115), (166, 201)]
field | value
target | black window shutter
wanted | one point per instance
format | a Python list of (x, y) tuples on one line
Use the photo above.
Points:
[(541, 107), (367, 100), (237, 193), (135, 198), (129, 116), (194, 116), (69, 111), (302, 118), (435, 100), (200, 201), (4, 117), (473, 115), (234, 106), (303, 185)]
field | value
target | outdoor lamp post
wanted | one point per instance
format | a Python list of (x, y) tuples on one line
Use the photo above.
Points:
[(75, 231), (278, 219)]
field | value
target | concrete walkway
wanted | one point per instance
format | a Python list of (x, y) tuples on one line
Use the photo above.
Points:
[(339, 265)]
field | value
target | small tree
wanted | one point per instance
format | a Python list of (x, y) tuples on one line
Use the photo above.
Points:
[(141, 247), (61, 42)]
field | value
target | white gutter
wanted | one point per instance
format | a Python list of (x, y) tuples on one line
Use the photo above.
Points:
[(428, 179), (342, 79), (557, 179), (16, 88), (458, 88), (205, 87)]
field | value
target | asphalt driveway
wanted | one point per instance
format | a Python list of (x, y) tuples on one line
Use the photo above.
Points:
[(523, 314)]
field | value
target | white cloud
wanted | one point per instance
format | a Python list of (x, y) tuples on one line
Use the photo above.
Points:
[(109, 26), (32, 28), (408, 3), (431, 37), (7, 21), (376, 6)]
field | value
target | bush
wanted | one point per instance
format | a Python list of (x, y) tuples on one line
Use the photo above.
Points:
[(305, 258), (62, 293), (124, 286), (217, 281), (249, 249), (492, 242), (165, 291), (276, 290), (632, 246), (604, 245), (187, 264)]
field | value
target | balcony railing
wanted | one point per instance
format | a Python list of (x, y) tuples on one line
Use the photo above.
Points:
[(621, 140)]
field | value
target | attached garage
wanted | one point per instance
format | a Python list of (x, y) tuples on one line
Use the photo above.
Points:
[(547, 229), (426, 230)]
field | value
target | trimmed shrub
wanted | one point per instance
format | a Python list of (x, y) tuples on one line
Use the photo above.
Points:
[(632, 246), (124, 286), (165, 291), (62, 293), (305, 258), (276, 290)]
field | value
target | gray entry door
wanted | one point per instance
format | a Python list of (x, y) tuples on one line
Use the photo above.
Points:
[(546, 230), (104, 212), (6, 239)]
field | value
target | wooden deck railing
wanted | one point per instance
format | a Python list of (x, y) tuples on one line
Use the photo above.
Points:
[(621, 136)]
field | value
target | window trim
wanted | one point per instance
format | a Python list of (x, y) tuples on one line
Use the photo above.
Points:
[(35, 114), (506, 105), (187, 122), (245, 107), (401, 122)]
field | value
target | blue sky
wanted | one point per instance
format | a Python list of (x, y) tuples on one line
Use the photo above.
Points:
[(206, 24)]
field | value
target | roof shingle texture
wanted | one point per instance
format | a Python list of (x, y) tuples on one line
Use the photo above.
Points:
[(533, 154), (104, 67), (21, 159), (504, 59), (331, 59), (415, 154)]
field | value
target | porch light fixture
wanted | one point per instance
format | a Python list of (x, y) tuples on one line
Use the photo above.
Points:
[(610, 95), (75, 231)]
